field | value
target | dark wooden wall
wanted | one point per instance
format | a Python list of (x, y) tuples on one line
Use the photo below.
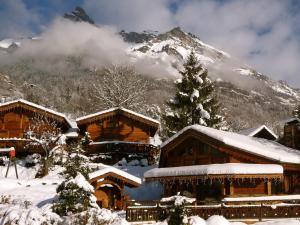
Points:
[(291, 136), (117, 128), (13, 125), (193, 152)]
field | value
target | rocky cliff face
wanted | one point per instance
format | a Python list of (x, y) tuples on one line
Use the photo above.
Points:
[(79, 15)]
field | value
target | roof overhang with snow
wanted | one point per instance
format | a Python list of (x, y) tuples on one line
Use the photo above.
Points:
[(35, 108), (256, 147), (254, 132), (115, 111), (291, 120), (109, 171), (217, 171)]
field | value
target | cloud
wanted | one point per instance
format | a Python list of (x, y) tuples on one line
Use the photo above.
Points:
[(95, 46), (66, 38), (260, 33), (132, 15), (16, 19)]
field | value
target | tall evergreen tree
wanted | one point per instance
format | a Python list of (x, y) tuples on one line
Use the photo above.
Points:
[(194, 101)]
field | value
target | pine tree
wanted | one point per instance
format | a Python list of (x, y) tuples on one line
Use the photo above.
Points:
[(194, 101), (178, 216)]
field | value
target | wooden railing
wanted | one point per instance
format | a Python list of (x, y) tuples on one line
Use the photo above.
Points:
[(158, 212)]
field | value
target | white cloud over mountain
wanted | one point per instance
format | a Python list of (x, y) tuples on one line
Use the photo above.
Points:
[(261, 33)]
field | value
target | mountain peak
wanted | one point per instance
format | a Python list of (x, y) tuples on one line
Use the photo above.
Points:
[(79, 15), (177, 31)]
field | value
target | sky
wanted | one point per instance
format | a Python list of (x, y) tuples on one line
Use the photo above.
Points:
[(264, 34)]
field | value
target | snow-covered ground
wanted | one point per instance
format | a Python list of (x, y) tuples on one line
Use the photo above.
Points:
[(220, 220), (37, 192), (28, 199)]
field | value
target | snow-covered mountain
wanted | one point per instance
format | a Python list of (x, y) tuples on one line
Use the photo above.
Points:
[(248, 97), (176, 45)]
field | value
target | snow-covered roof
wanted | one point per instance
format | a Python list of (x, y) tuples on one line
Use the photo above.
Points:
[(256, 146), (291, 120), (71, 123), (119, 142), (253, 131), (14, 139), (110, 169), (153, 121), (71, 134), (215, 169)]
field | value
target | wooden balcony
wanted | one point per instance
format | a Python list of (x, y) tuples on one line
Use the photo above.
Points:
[(241, 212)]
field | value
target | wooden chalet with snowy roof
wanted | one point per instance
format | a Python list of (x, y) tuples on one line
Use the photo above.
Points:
[(16, 118), (109, 183), (118, 132), (206, 163), (260, 132)]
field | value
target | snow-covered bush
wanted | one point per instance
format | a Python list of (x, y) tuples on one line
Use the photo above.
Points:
[(58, 155), (74, 196), (33, 216), (76, 160), (32, 160), (3, 160), (5, 199), (196, 220), (217, 220), (95, 217)]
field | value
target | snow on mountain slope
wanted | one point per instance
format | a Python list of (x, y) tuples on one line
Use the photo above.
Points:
[(6, 43), (175, 45), (178, 44), (162, 55)]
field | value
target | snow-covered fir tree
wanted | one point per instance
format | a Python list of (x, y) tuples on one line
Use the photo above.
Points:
[(194, 101), (179, 213), (75, 194)]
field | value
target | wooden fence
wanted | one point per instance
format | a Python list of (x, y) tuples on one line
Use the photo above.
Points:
[(160, 212)]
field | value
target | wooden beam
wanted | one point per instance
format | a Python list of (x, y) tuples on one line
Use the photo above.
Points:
[(269, 187), (231, 189)]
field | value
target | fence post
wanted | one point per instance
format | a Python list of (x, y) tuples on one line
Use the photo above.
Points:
[(261, 212)]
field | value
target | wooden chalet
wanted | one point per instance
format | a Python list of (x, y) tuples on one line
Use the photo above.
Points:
[(207, 164), (17, 116), (260, 132), (120, 132), (109, 183)]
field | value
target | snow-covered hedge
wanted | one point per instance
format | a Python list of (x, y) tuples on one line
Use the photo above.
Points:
[(15, 215)]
